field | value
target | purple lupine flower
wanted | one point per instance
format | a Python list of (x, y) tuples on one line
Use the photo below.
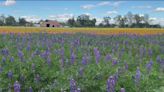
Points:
[(114, 62), (10, 74), (17, 87), (150, 52), (73, 58), (62, 54), (49, 61), (126, 66), (141, 52), (158, 59), (149, 66), (73, 85), (84, 60), (28, 47), (30, 89), (97, 55), (12, 59), (122, 90), (22, 78), (45, 54), (108, 57), (20, 55), (5, 52), (1, 69), (111, 84), (78, 90), (81, 71), (115, 77), (138, 75), (3, 59)]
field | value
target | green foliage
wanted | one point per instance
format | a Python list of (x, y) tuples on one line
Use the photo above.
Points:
[(54, 77)]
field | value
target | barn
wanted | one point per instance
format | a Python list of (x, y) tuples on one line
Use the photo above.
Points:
[(50, 23)]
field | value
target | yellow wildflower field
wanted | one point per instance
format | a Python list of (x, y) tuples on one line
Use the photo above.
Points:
[(99, 31)]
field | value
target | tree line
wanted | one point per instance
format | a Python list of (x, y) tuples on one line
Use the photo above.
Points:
[(126, 21), (11, 21)]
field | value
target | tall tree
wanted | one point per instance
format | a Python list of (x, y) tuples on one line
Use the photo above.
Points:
[(71, 22), (10, 21), (129, 17), (146, 20), (2, 20), (121, 20), (22, 22), (107, 20), (137, 19)]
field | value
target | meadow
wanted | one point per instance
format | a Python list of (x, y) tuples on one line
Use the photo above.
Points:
[(106, 60), (99, 31)]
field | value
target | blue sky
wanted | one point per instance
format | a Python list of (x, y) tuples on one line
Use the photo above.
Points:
[(62, 10)]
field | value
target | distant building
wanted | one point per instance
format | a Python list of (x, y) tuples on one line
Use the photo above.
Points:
[(50, 23)]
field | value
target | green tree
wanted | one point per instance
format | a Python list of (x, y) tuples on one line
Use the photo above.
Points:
[(22, 22), (10, 21), (129, 17), (107, 21), (121, 20), (71, 22), (2, 20)]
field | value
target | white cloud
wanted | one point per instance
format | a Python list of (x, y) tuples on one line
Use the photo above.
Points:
[(113, 4), (157, 21), (60, 17), (111, 12), (142, 7), (117, 4), (31, 18), (159, 9), (8, 3), (99, 20), (89, 14), (88, 7), (103, 3)]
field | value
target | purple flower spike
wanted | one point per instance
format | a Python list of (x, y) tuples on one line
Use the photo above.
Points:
[(81, 71), (150, 52), (17, 87), (97, 55), (73, 85), (126, 66), (49, 61), (20, 55), (73, 58), (5, 52), (122, 90), (1, 69), (158, 59), (138, 75), (108, 57), (78, 90), (149, 66), (111, 84), (84, 60), (3, 59), (10, 74), (114, 62), (12, 59), (30, 89)]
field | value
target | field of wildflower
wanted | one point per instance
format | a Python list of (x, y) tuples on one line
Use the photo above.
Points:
[(120, 62), (99, 31)]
